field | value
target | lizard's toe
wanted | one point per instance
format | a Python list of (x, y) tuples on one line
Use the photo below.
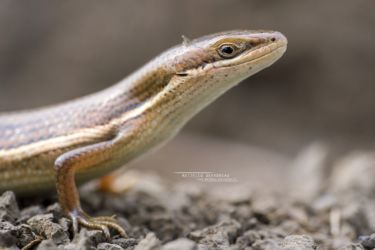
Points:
[(102, 223), (110, 222)]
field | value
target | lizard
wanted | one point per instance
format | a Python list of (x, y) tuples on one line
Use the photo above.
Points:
[(61, 146)]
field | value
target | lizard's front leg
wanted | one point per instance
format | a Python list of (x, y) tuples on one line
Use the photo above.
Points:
[(66, 167)]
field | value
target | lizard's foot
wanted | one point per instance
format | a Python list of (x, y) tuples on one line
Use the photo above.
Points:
[(102, 223)]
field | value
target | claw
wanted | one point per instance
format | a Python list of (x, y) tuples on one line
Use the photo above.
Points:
[(115, 226), (102, 223), (75, 224)]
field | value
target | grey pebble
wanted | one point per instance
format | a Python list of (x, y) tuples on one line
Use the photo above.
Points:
[(352, 246), (65, 223), (267, 244), (298, 242), (248, 238), (307, 173), (7, 236), (126, 243), (47, 245), (249, 222), (181, 244), (28, 212), (55, 209), (24, 235), (44, 226), (108, 246), (9, 210), (11, 236), (85, 240), (150, 242), (221, 234), (367, 241)]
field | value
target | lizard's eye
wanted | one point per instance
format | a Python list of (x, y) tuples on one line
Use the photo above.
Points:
[(228, 50)]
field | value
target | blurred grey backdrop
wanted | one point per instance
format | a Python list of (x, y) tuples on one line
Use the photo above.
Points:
[(323, 88)]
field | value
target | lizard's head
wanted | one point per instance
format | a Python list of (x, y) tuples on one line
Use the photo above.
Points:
[(234, 53), (188, 77), (204, 68)]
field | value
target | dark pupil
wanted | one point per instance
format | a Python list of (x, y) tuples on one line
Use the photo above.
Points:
[(227, 50)]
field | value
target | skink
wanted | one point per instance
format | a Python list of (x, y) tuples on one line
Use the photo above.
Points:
[(76, 141)]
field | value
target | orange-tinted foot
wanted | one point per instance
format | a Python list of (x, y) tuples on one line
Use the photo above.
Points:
[(118, 183)]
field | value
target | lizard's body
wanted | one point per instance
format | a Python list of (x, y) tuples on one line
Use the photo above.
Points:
[(93, 135)]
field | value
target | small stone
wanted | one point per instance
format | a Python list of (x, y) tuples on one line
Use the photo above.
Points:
[(125, 243), (355, 214), (150, 242), (248, 238), (367, 241), (369, 214), (24, 235), (65, 224), (354, 172), (181, 244), (166, 226), (288, 226), (352, 246), (7, 236), (308, 172), (47, 245), (108, 246), (9, 210), (43, 225), (29, 212), (11, 235), (265, 205), (221, 234), (299, 215), (55, 209), (298, 242), (83, 241), (96, 236), (267, 244)]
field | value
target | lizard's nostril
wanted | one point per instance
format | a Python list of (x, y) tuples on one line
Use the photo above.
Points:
[(273, 39)]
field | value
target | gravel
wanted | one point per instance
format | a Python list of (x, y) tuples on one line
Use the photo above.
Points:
[(336, 213)]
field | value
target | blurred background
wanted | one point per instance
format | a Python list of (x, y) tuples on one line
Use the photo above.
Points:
[(321, 90)]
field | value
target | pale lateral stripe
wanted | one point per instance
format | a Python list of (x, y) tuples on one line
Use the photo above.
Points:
[(76, 137), (35, 148)]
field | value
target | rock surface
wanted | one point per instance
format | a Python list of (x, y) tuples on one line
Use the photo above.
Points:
[(191, 216)]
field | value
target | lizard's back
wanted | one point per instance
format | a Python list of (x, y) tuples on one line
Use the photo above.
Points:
[(30, 141)]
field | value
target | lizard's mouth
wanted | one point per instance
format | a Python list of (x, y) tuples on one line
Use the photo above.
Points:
[(272, 55)]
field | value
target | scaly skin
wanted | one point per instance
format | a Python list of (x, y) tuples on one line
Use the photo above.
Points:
[(91, 136)]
